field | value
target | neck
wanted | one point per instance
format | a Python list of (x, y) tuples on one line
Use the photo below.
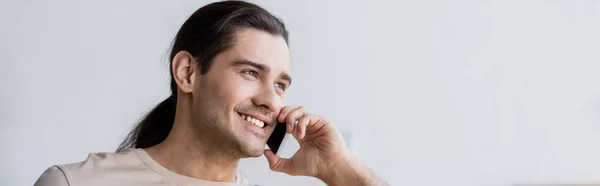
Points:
[(183, 152)]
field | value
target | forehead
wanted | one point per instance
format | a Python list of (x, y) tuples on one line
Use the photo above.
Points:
[(261, 47)]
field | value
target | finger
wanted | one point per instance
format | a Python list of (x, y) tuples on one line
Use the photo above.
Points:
[(277, 163), (289, 127), (292, 117), (316, 123), (301, 125), (284, 112)]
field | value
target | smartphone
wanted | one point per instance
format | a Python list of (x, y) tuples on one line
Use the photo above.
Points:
[(274, 141)]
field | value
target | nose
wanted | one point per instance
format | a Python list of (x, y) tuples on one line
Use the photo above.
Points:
[(268, 98)]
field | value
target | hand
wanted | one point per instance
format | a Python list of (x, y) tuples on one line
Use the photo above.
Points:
[(321, 145), (322, 154)]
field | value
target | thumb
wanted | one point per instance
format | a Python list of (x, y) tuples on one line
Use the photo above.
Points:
[(277, 163)]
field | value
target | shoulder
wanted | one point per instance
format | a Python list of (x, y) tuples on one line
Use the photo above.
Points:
[(96, 168), (53, 176), (97, 162)]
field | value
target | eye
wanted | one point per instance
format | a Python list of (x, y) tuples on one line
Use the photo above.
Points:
[(282, 86), (252, 73)]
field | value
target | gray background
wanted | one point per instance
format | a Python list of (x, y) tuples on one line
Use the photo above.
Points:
[(431, 92)]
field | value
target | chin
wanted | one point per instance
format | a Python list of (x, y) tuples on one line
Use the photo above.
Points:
[(255, 154), (253, 151)]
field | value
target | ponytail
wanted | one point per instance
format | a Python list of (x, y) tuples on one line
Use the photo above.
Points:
[(154, 127)]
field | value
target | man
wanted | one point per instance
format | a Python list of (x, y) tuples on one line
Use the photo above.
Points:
[(230, 67)]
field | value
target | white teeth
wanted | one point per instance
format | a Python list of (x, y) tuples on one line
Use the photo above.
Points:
[(260, 124), (254, 121)]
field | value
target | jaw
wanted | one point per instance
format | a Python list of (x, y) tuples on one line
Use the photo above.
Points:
[(251, 147), (249, 143)]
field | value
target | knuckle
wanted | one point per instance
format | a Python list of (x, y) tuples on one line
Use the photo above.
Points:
[(303, 109), (286, 109), (304, 122), (319, 119), (292, 107)]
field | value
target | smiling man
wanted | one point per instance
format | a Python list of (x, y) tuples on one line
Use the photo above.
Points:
[(230, 68)]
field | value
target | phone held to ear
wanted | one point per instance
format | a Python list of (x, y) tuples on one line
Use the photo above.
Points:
[(276, 138)]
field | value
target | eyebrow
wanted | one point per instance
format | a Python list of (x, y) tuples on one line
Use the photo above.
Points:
[(261, 67), (286, 77), (243, 62)]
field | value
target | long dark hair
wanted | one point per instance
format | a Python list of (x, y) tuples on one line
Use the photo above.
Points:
[(206, 33)]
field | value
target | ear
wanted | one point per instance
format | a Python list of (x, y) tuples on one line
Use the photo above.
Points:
[(184, 71)]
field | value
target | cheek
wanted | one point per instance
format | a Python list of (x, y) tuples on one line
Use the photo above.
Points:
[(234, 90), (279, 104)]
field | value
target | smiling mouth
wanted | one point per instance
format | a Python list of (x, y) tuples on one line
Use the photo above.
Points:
[(253, 120)]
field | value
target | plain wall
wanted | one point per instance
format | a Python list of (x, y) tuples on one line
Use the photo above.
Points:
[(461, 93)]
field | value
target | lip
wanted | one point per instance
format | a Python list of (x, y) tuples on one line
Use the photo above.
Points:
[(258, 131), (265, 120)]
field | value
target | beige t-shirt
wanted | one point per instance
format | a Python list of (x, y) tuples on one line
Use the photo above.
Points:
[(130, 167)]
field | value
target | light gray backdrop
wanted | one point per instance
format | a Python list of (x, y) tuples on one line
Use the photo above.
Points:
[(432, 92)]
